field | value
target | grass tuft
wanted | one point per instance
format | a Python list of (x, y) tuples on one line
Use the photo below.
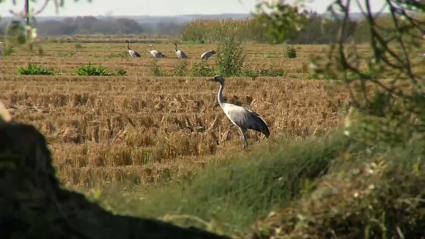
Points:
[(35, 70), (91, 70)]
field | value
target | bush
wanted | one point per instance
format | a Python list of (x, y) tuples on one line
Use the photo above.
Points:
[(156, 69), (181, 68), (230, 57), (34, 70), (290, 52), (91, 70), (202, 69)]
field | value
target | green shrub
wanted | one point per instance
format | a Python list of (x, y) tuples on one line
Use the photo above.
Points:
[(34, 70), (290, 52), (202, 69), (91, 70), (230, 57), (181, 68), (156, 69)]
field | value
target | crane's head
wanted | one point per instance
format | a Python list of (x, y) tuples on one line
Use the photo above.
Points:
[(219, 79), (213, 52)]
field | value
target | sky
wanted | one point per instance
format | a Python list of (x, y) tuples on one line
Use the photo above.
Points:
[(155, 7)]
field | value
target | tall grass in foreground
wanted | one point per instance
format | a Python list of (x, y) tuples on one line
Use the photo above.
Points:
[(233, 195)]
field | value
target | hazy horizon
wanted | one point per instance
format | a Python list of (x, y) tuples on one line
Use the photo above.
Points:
[(158, 7)]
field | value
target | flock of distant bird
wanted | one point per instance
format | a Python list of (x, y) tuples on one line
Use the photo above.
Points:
[(179, 53)]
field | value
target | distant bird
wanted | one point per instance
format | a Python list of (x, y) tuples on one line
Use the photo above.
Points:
[(179, 53), (206, 55), (156, 54), (132, 53), (243, 118)]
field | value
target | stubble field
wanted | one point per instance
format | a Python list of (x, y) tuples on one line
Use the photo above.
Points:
[(146, 129)]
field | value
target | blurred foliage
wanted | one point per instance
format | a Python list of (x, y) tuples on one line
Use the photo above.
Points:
[(290, 52), (24, 32), (387, 86), (280, 21), (366, 194), (33, 204)]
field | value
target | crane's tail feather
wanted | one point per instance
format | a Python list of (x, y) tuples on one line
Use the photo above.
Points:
[(260, 125)]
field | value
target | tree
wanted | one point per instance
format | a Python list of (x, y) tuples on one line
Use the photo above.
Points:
[(387, 86), (28, 33), (280, 21)]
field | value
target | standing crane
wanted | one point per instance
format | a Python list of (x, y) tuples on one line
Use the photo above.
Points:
[(242, 117), (132, 53), (156, 54), (179, 53), (206, 55)]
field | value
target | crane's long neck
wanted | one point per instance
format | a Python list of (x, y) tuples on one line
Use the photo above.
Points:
[(128, 45), (220, 96)]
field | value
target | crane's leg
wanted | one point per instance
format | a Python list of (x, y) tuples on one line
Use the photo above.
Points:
[(243, 134)]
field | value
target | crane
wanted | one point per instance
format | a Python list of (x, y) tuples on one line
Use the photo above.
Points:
[(206, 55), (132, 53), (179, 53), (156, 54), (242, 117)]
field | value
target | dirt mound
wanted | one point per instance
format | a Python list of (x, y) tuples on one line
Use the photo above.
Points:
[(33, 204)]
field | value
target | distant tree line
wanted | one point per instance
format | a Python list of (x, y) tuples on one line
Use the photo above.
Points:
[(318, 29), (89, 25)]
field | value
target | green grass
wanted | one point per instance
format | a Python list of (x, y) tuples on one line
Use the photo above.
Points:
[(232, 195), (32, 69), (91, 70), (202, 69), (156, 69)]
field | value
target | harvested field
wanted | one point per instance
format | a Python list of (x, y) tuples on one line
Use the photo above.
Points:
[(145, 129)]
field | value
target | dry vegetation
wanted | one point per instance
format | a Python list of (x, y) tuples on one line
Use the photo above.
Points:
[(145, 129)]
